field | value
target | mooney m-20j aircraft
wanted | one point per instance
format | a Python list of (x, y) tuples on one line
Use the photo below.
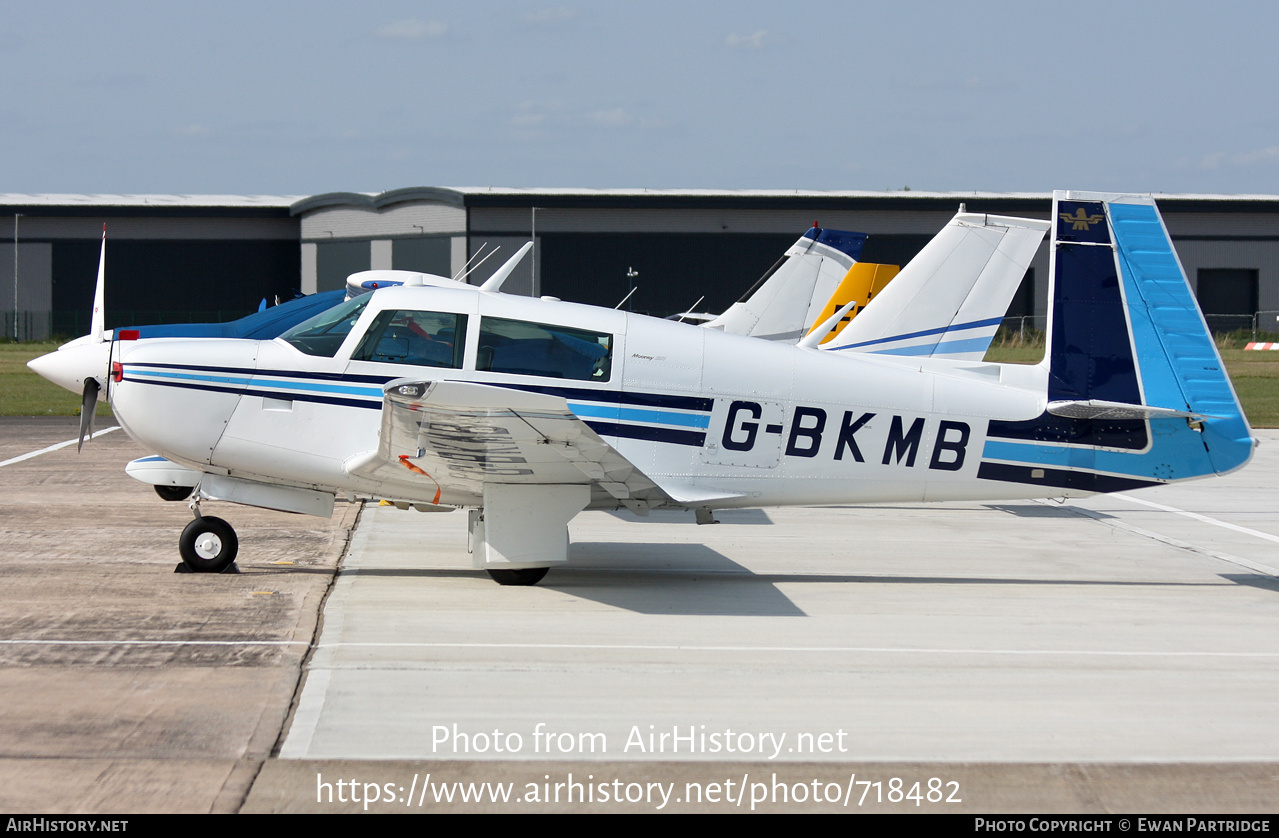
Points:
[(528, 411)]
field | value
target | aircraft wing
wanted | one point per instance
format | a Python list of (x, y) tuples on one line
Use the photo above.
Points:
[(444, 441)]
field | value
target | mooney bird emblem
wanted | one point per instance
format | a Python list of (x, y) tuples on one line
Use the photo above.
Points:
[(1081, 220)]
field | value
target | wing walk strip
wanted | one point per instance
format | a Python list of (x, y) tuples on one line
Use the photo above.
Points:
[(674, 419)]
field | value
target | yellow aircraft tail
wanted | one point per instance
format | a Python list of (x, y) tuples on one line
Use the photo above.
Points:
[(862, 282)]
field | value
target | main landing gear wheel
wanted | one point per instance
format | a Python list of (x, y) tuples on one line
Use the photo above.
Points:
[(523, 576), (208, 545), (174, 492)]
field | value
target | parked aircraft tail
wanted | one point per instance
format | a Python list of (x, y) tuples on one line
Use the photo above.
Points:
[(860, 285), (949, 300), (786, 301), (1137, 393)]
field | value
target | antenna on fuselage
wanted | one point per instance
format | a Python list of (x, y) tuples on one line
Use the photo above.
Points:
[(494, 283), (689, 310), (627, 297), (465, 272)]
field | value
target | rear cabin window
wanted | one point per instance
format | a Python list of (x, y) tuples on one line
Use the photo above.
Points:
[(323, 334), (416, 338), (523, 348)]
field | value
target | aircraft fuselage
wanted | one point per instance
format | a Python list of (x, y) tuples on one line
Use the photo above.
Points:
[(762, 422)]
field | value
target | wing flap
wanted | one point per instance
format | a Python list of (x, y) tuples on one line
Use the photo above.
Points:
[(443, 441)]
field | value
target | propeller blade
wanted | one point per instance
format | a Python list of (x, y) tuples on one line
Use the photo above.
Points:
[(97, 320), (88, 406)]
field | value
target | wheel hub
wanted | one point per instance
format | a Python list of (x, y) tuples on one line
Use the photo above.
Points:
[(208, 546)]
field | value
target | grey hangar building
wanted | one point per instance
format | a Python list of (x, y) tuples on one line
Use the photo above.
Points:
[(191, 258)]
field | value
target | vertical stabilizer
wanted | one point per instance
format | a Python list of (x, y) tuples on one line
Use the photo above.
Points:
[(787, 300), (949, 300), (1137, 393), (860, 285)]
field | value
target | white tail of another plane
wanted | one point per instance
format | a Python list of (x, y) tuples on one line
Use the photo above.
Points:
[(787, 300), (949, 300)]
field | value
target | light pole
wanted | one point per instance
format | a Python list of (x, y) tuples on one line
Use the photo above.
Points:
[(16, 216), (631, 273)]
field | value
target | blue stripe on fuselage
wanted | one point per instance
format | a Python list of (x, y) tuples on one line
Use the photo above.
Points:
[(619, 413)]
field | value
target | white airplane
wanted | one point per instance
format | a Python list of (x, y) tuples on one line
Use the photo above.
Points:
[(528, 411)]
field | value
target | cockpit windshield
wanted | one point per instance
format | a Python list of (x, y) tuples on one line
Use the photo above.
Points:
[(323, 334)]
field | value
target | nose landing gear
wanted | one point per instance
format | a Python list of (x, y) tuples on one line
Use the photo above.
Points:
[(207, 545)]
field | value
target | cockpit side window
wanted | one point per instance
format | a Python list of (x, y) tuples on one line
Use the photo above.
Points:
[(417, 338), (523, 348), (323, 334)]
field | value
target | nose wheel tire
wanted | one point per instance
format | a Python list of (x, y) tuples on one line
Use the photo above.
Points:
[(208, 545), (523, 576)]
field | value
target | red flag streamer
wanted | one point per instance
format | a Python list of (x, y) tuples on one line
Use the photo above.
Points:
[(404, 461)]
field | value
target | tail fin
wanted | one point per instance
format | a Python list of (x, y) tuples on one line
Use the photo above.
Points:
[(784, 304), (949, 300), (861, 284), (1137, 392)]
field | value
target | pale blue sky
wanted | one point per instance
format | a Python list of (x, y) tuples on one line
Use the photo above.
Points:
[(308, 97)]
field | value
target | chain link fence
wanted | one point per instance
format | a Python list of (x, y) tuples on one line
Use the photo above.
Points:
[(1265, 325), (26, 325), (1227, 329), (1021, 331)]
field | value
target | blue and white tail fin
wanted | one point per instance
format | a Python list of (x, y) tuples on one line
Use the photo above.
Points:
[(1137, 393), (949, 300), (787, 300)]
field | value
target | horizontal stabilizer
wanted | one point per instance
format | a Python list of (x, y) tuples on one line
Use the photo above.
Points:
[(1096, 409)]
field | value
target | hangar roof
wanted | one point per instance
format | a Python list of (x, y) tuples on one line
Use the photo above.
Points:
[(495, 196), (202, 206)]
